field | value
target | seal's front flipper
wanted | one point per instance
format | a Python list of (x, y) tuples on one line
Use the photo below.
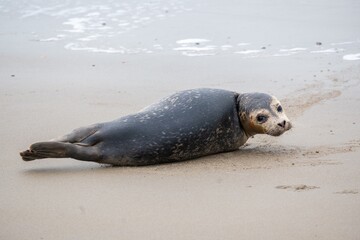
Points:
[(60, 150)]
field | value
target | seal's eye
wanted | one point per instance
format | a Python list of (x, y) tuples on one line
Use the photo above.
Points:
[(261, 118), (279, 109)]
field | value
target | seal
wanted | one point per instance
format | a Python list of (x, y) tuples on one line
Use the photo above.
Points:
[(186, 125)]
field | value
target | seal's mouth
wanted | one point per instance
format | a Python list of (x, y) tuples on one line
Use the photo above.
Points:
[(289, 126), (279, 129), (275, 133)]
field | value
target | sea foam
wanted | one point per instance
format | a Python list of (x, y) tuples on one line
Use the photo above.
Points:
[(352, 57)]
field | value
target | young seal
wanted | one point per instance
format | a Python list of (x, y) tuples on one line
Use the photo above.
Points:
[(185, 125)]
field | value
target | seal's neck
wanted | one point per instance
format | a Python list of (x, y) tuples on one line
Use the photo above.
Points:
[(245, 125), (242, 100)]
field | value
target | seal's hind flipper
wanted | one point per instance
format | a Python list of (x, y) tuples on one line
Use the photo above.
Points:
[(29, 155), (80, 135), (60, 150), (45, 150)]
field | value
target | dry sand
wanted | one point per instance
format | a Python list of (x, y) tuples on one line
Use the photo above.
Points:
[(302, 185)]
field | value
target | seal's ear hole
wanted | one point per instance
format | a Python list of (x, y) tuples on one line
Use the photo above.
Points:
[(261, 118)]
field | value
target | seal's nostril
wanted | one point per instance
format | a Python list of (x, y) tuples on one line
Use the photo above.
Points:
[(282, 124)]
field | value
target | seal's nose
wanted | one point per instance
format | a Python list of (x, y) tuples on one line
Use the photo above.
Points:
[(282, 124)]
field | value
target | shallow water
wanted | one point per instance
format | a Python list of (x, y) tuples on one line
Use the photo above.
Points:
[(193, 29)]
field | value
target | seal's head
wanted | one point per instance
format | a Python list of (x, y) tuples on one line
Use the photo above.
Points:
[(262, 113)]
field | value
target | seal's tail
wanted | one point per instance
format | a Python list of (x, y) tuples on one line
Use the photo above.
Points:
[(52, 149)]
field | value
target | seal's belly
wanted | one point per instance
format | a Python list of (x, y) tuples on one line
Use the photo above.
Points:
[(167, 145)]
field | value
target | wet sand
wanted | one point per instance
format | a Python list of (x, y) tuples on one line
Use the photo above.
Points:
[(302, 185)]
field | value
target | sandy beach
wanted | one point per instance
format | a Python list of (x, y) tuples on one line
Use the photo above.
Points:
[(70, 64)]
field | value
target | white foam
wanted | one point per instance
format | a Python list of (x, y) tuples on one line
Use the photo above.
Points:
[(38, 10), (194, 49), (283, 54), (89, 27), (191, 54), (293, 49), (76, 47), (192, 41), (71, 11), (330, 50), (191, 47), (341, 43), (226, 47), (53, 39), (243, 44), (108, 50), (249, 51), (78, 24), (158, 46), (352, 57)]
